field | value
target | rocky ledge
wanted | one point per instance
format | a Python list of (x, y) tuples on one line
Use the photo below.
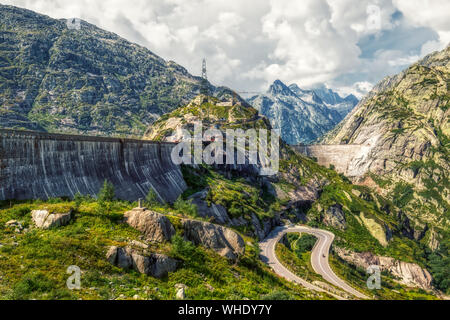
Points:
[(153, 264), (154, 226), (409, 274), (224, 241)]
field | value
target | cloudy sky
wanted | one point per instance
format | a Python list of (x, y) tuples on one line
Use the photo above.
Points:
[(348, 45)]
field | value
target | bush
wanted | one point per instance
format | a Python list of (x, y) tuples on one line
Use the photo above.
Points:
[(277, 295), (439, 263), (305, 243), (151, 199), (403, 194), (185, 207), (32, 283), (106, 196), (185, 250), (78, 199), (106, 193)]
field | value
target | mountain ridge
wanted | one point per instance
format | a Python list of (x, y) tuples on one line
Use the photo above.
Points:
[(405, 121), (83, 81), (302, 115)]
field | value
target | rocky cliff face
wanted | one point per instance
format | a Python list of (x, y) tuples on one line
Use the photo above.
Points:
[(409, 274), (154, 226), (82, 81), (41, 166), (404, 127), (224, 241), (152, 264), (302, 115)]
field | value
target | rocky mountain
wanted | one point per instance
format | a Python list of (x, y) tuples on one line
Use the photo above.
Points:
[(82, 81), (302, 191), (334, 101), (404, 123), (302, 115)]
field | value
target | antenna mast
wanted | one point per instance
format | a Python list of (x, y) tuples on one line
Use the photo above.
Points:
[(204, 86)]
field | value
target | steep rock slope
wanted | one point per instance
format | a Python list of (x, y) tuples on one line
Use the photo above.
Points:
[(301, 115), (404, 122), (82, 81)]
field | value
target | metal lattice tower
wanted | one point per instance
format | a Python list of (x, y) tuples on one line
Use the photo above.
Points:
[(204, 86)]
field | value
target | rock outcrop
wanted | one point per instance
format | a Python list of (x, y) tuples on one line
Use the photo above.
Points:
[(153, 264), (334, 217), (154, 226), (224, 241), (46, 220), (409, 274), (217, 212)]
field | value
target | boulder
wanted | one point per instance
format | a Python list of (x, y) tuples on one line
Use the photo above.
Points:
[(181, 294), (154, 226), (46, 220), (409, 274), (334, 217), (224, 241), (259, 231), (217, 212), (153, 264)]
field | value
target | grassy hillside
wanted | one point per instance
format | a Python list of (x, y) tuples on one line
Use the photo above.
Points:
[(33, 263)]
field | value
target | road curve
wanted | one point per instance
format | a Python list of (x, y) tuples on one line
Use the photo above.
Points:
[(319, 258)]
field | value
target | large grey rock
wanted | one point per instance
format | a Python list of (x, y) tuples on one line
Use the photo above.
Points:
[(217, 212), (154, 226), (224, 241), (334, 217), (409, 274), (46, 220), (153, 264)]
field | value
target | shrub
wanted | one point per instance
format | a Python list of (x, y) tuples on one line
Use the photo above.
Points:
[(106, 193), (151, 199), (185, 250), (305, 243), (78, 198), (32, 283), (403, 194), (277, 295), (185, 207), (106, 196)]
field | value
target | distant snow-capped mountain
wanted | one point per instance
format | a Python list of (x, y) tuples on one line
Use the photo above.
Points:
[(302, 115)]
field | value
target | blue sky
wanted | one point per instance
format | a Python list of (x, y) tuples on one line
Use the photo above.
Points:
[(347, 45)]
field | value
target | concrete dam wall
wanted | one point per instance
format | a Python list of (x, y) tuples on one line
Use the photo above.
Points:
[(345, 158), (37, 165)]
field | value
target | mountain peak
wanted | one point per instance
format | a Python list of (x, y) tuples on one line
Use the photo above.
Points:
[(278, 88)]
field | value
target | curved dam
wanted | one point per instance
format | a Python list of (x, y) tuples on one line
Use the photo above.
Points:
[(348, 159), (35, 165)]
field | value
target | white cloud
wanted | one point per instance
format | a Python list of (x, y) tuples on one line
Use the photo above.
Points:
[(249, 44), (428, 13)]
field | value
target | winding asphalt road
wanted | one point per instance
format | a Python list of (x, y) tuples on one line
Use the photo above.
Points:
[(319, 259)]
